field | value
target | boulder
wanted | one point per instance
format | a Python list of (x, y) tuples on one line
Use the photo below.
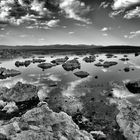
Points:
[(106, 64), (60, 61), (43, 124), (25, 63), (20, 93), (71, 65), (89, 59), (46, 65), (133, 86), (81, 74), (4, 73)]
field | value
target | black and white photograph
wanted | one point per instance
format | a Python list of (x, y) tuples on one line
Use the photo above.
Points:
[(69, 69)]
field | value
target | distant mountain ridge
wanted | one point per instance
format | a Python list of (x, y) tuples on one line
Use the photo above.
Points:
[(69, 47)]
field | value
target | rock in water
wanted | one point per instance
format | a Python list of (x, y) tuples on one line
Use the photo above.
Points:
[(60, 61), (45, 65), (43, 124), (81, 74), (4, 73), (71, 65), (89, 59), (106, 64)]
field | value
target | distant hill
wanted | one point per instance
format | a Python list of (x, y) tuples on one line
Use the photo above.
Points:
[(80, 47)]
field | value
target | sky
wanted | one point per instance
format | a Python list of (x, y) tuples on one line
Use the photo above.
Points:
[(47, 22)]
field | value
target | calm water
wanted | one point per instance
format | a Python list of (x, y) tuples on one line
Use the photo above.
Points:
[(35, 75)]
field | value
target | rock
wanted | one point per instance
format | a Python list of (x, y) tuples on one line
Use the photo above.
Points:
[(44, 124), (20, 93), (2, 103), (106, 64), (81, 74), (25, 63), (89, 59), (10, 107), (71, 65), (109, 55), (124, 59), (99, 135), (129, 120), (38, 60), (60, 61), (4, 73), (46, 65), (133, 86), (127, 69)]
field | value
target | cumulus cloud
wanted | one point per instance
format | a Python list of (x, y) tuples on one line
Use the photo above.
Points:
[(121, 4), (127, 8), (75, 9), (135, 13), (39, 12)]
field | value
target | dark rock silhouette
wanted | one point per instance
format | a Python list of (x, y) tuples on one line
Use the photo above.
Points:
[(89, 59), (60, 61), (81, 74), (106, 64), (4, 73), (45, 65), (71, 65)]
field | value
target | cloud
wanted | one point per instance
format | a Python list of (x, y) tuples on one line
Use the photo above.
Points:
[(127, 8), (135, 13), (106, 29), (122, 4), (132, 34), (38, 13), (104, 4), (74, 9)]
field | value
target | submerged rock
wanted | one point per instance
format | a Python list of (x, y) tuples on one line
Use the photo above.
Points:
[(46, 65), (60, 61), (4, 73), (89, 59), (106, 64), (41, 123), (71, 65), (81, 74)]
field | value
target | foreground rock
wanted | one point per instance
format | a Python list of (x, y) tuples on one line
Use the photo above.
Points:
[(25, 63), (46, 65), (71, 65), (20, 93), (81, 74), (133, 86), (41, 123), (106, 64), (89, 59), (4, 73), (60, 61), (16, 100)]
